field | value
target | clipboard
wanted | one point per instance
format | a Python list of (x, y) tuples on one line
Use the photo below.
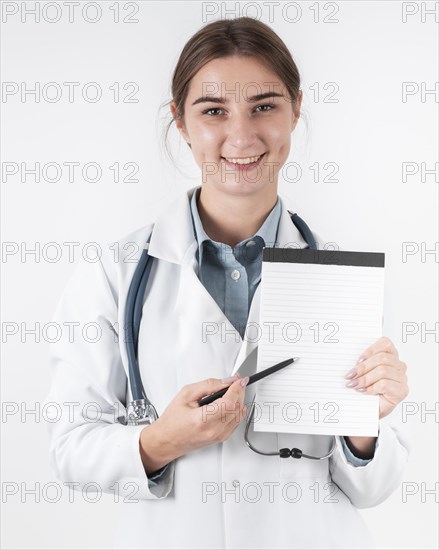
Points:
[(325, 307)]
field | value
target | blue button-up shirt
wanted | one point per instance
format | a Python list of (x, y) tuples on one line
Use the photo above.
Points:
[(231, 277)]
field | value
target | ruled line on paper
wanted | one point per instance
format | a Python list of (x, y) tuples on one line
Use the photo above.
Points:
[(326, 315)]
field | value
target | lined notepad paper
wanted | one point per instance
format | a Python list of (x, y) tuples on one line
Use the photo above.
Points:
[(326, 308)]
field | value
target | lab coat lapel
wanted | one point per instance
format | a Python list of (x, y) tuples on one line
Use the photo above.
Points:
[(206, 320), (173, 240), (173, 235)]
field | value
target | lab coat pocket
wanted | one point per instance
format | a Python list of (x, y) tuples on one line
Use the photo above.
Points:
[(314, 445)]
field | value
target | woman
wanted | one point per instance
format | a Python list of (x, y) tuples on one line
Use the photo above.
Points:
[(189, 480)]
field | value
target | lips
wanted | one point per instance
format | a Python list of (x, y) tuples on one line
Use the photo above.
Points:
[(243, 164)]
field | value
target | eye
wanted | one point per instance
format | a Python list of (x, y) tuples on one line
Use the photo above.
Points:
[(267, 105), (211, 109), (206, 111)]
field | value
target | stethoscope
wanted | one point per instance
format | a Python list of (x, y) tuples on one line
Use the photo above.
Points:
[(140, 410)]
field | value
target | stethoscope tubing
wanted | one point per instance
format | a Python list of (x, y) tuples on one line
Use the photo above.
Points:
[(283, 453)]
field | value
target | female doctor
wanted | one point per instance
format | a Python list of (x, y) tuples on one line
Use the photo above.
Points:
[(189, 480)]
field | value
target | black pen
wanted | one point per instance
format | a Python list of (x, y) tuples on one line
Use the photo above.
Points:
[(253, 378)]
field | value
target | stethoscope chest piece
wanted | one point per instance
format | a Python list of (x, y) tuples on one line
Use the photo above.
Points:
[(139, 412)]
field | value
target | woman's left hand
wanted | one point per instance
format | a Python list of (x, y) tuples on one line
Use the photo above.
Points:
[(380, 371)]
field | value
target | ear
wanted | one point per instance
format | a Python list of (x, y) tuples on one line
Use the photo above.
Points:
[(179, 122), (296, 109)]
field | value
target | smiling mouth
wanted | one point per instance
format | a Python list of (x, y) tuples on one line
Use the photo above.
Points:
[(247, 161)]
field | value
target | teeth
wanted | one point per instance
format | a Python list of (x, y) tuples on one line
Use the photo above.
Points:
[(248, 160)]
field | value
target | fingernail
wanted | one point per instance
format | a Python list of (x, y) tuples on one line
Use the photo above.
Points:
[(360, 389), (244, 381), (229, 379), (360, 359), (351, 374), (352, 384)]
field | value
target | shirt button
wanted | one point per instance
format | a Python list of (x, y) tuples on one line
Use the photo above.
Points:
[(235, 275), (235, 483)]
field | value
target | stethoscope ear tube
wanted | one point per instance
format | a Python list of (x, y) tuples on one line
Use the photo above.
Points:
[(140, 410), (133, 316), (304, 230), (138, 303), (131, 339)]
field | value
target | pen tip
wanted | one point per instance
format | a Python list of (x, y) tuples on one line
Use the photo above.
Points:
[(296, 358)]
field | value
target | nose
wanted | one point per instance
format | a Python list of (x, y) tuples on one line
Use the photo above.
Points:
[(241, 132)]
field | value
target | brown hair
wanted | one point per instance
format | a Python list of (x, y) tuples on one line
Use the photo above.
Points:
[(244, 36)]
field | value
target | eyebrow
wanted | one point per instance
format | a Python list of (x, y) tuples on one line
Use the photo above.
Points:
[(258, 97)]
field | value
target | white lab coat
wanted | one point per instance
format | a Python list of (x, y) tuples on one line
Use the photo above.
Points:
[(224, 495)]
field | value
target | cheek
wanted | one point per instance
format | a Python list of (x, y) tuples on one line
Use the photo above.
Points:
[(207, 141), (280, 138), (205, 132)]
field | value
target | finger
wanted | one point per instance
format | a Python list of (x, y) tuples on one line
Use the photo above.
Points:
[(391, 389), (382, 344), (227, 405), (379, 372), (194, 392), (235, 420), (236, 391), (382, 358), (233, 400)]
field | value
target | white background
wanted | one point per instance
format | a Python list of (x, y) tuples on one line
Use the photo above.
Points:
[(369, 133)]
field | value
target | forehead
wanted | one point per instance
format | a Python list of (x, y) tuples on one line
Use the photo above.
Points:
[(230, 73)]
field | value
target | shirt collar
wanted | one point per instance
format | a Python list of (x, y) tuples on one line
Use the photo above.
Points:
[(267, 232)]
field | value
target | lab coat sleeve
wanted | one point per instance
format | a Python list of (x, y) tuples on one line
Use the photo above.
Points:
[(88, 387), (369, 485)]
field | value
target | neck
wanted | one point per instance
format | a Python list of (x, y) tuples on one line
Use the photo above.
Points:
[(230, 219)]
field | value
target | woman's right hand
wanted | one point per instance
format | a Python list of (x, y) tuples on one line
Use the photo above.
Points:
[(184, 426)]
